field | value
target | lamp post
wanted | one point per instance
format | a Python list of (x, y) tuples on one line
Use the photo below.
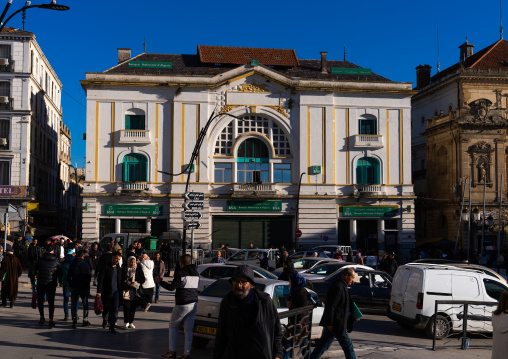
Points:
[(50, 6), (297, 219), (77, 200)]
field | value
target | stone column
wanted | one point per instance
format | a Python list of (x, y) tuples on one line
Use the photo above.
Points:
[(117, 225), (352, 230)]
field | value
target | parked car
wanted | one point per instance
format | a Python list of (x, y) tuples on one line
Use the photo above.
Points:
[(205, 324), (123, 239), (416, 288), (209, 273), (252, 256), (310, 254), (370, 289), (324, 270), (212, 254), (331, 248), (437, 261), (305, 264), (485, 270)]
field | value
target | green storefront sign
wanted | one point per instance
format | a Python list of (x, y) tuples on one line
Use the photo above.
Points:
[(132, 210), (350, 71), (370, 211), (150, 65), (254, 206)]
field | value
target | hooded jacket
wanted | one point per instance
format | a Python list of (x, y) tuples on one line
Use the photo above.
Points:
[(48, 269), (261, 340), (185, 282), (147, 268)]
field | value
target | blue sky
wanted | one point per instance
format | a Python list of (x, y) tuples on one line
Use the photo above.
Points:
[(391, 37)]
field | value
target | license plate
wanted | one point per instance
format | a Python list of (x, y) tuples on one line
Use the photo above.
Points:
[(206, 330), (396, 307)]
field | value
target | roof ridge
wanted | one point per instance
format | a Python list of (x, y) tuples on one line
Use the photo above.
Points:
[(132, 58), (486, 53)]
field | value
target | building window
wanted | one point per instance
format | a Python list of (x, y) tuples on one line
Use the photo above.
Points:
[(367, 126), (252, 172), (367, 171), (5, 168), (282, 173), (252, 161), (5, 126), (134, 122), (135, 168), (223, 173)]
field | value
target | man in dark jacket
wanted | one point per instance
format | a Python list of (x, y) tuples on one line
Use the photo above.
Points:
[(33, 257), (185, 283), (78, 277), (249, 325), (390, 264), (108, 288), (335, 317), (47, 271), (10, 271)]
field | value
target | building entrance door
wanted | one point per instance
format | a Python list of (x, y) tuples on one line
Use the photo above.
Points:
[(366, 234)]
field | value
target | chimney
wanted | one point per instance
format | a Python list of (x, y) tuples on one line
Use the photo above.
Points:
[(324, 68), (422, 76), (123, 55), (466, 50)]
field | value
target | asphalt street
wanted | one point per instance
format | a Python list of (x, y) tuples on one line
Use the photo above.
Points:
[(375, 336)]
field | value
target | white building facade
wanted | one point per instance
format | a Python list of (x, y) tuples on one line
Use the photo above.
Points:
[(306, 149)]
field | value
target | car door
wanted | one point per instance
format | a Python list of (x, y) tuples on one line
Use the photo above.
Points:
[(381, 286), (360, 290), (280, 297), (493, 291), (465, 287)]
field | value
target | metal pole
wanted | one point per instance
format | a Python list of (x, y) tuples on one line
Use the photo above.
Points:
[(469, 223), (500, 219), (77, 201), (192, 244), (483, 219), (297, 220), (7, 6)]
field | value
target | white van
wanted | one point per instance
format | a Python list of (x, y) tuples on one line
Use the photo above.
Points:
[(415, 290)]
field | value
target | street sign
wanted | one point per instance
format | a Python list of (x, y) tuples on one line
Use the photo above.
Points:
[(325, 238), (194, 196), (194, 206), (298, 233), (192, 225), (191, 215)]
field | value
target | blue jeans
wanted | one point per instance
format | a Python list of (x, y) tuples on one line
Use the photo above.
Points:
[(157, 291), (326, 341), (187, 313), (75, 295), (66, 297)]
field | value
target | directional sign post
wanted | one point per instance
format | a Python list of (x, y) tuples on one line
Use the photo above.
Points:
[(192, 225), (194, 196), (194, 216), (194, 206)]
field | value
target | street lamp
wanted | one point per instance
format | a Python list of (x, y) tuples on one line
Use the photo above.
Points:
[(51, 6), (476, 214), (77, 200)]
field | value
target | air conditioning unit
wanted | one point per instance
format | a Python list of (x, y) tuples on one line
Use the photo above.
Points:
[(3, 142), (4, 99), (4, 62)]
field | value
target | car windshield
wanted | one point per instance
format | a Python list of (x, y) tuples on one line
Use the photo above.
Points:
[(220, 288), (240, 256), (325, 269), (266, 274)]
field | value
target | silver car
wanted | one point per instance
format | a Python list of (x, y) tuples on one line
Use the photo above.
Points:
[(209, 273)]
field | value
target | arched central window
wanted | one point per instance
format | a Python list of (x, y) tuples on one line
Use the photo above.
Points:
[(252, 161), (135, 168), (367, 171)]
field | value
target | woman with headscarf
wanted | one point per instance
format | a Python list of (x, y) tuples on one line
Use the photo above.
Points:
[(10, 271), (500, 328), (131, 273)]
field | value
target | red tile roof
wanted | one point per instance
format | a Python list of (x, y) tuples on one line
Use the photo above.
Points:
[(494, 57), (12, 30), (243, 55)]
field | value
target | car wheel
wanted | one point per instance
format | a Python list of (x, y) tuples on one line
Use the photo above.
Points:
[(199, 343), (443, 327)]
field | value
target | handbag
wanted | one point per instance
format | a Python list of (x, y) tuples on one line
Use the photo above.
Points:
[(97, 306)]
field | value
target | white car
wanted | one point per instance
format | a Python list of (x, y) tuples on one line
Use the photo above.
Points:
[(324, 270), (207, 316), (252, 257), (331, 248), (306, 264), (209, 273), (311, 254)]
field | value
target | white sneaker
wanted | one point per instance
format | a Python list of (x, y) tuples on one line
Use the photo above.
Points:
[(132, 325), (126, 326)]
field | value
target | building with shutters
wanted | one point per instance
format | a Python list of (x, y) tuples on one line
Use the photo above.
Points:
[(318, 145)]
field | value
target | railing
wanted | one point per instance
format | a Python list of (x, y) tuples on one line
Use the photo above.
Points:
[(134, 136), (254, 187), (368, 141), (135, 186), (369, 188), (447, 318), (297, 332)]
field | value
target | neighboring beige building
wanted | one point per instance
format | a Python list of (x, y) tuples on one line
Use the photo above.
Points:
[(459, 135)]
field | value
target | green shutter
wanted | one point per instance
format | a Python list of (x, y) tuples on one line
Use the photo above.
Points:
[(367, 171), (127, 122)]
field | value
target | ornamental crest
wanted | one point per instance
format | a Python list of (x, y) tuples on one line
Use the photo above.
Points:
[(253, 87), (481, 146), (480, 109)]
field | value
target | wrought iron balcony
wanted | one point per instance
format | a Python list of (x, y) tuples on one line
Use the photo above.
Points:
[(260, 188)]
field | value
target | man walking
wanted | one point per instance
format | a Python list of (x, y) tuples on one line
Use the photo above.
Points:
[(10, 271), (108, 287), (47, 271), (249, 325), (335, 317), (185, 282), (33, 257), (78, 277)]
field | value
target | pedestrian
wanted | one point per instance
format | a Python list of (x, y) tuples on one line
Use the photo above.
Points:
[(158, 272), (335, 317), (185, 284), (19, 247), (227, 252), (33, 257), (148, 284), (1, 253), (283, 256), (288, 268), (47, 270), (60, 250), (338, 255), (249, 325), (95, 255), (349, 257), (165, 253), (87, 257), (390, 264), (69, 258), (218, 257), (263, 262), (132, 275), (108, 287), (500, 328), (78, 278), (10, 271), (358, 258)]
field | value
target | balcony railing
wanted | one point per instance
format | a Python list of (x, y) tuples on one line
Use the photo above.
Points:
[(371, 141), (134, 136), (254, 187), (370, 188), (134, 186)]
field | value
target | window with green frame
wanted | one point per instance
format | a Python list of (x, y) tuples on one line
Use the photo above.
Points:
[(135, 168), (134, 122), (368, 127), (367, 171), (252, 161)]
